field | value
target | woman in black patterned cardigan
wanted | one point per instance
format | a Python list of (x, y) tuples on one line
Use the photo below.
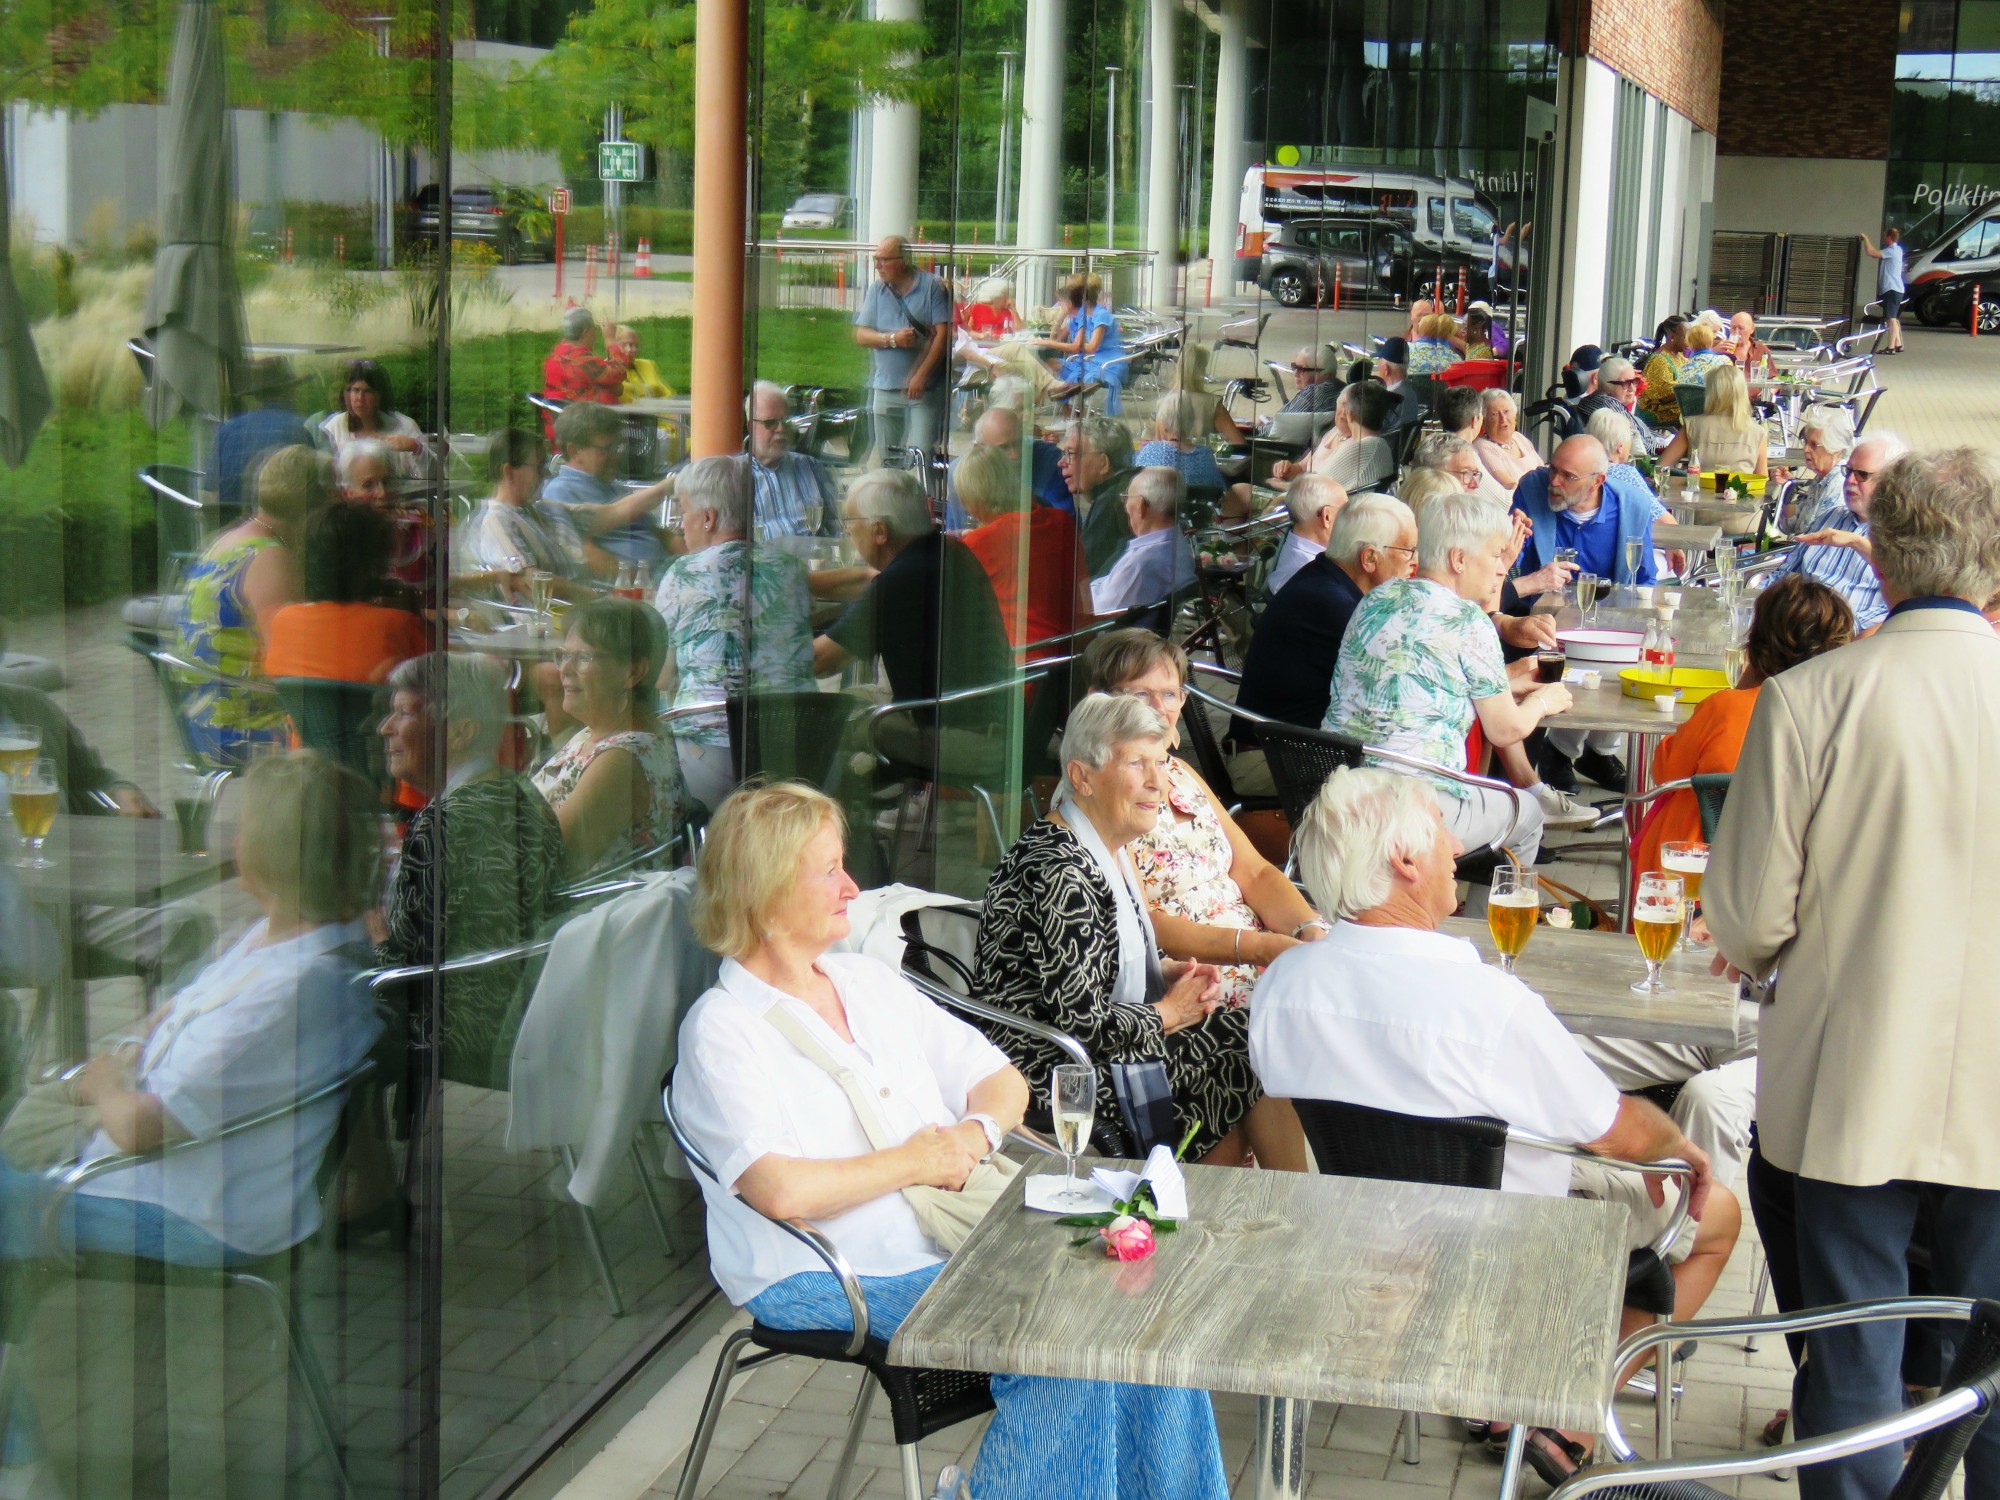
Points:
[(1066, 940)]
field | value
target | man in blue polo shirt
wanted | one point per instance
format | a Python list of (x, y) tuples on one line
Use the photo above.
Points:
[(1572, 503)]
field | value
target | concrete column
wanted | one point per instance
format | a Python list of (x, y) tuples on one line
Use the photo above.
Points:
[(1163, 54), (892, 149), (721, 164), (1232, 92), (1584, 150), (1039, 226)]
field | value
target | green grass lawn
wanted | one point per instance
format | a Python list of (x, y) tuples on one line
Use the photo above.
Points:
[(76, 527)]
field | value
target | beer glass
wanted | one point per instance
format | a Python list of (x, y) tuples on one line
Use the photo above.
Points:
[(1512, 908), (1657, 916), (20, 744), (31, 798), (1687, 858)]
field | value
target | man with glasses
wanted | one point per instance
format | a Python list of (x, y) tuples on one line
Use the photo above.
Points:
[(1313, 369), (613, 524), (1000, 427), (795, 495), (1833, 541), (905, 324)]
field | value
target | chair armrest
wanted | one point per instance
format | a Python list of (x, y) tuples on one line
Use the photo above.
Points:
[(876, 715), (689, 710), (1034, 1140), (67, 1180), (207, 674), (1227, 674), (806, 1234), (981, 1010), (387, 978), (1666, 1166)]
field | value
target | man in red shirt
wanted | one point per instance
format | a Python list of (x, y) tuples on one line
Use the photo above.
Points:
[(574, 371)]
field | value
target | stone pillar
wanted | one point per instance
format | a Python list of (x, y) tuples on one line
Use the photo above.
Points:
[(1232, 90), (892, 150), (721, 160), (1163, 159), (1040, 223)]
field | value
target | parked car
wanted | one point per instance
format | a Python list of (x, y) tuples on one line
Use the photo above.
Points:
[(816, 211), (515, 221), (1371, 257), (1947, 302)]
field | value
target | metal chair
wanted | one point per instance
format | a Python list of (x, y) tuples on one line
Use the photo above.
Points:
[(921, 1401), (174, 674), (339, 719), (1692, 397), (1353, 1140), (789, 735), (1941, 1429), (179, 516), (1244, 333)]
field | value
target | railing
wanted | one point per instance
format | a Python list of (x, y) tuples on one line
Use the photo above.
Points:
[(835, 274)]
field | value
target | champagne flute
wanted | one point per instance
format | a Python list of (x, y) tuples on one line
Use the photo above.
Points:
[(1635, 551), (1657, 917), (1587, 588), (1734, 659), (541, 592), (1073, 1107), (31, 797), (1568, 555), (1512, 908), (1687, 858)]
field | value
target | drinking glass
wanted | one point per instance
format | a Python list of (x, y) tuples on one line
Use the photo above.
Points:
[(1588, 587), (1073, 1107), (812, 512), (541, 590), (19, 745), (1566, 555), (1512, 907), (1635, 550), (1734, 659), (31, 797), (1687, 858), (1657, 917)]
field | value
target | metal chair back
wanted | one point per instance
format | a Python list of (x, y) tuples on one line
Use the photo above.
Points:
[(338, 719), (1692, 397), (1301, 760), (178, 517), (1710, 788), (1353, 1140)]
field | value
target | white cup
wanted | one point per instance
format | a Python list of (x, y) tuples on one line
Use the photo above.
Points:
[(1591, 678), (1664, 703)]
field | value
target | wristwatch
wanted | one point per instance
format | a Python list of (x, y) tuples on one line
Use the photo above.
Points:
[(994, 1134)]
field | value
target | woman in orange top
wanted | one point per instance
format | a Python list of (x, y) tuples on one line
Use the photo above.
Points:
[(1031, 552), (1795, 619), (340, 632)]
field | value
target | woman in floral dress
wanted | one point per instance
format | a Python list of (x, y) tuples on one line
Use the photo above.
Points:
[(1212, 896)]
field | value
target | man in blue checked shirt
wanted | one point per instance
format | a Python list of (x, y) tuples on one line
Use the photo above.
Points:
[(794, 493), (1833, 540)]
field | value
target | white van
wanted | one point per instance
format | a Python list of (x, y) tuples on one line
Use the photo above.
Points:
[(1939, 278), (1447, 217)]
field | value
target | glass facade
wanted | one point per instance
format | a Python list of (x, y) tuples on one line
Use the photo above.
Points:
[(342, 373), (1944, 123)]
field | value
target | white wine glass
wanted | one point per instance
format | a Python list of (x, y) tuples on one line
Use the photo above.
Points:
[(1635, 551), (1073, 1109), (1588, 588), (1657, 918)]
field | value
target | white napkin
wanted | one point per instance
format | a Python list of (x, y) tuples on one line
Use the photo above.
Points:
[(1169, 1186), (1042, 1193)]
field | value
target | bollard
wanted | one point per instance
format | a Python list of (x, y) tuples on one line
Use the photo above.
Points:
[(840, 275), (288, 244), (1461, 291), (642, 260), (1336, 289), (589, 272), (1975, 308), (340, 249)]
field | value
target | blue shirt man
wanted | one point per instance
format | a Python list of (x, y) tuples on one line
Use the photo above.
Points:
[(1840, 502), (1573, 502), (1000, 428)]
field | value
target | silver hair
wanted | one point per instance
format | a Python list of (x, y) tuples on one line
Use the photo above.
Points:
[(1310, 494), (1834, 424), (1613, 367), (1490, 399), (351, 457), (1368, 521), (1161, 489), (1892, 445), (1935, 525), (576, 322), (1107, 438), (1102, 722), (894, 497), (1439, 448), (1613, 429), (1461, 522), (721, 484), (1361, 821), (1177, 414), (459, 687), (763, 388)]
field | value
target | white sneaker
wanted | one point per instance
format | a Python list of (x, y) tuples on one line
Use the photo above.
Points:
[(1561, 810)]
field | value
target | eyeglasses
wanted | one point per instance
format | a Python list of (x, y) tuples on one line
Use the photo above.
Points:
[(578, 659), (1305, 369), (1411, 550), (1635, 380), (1861, 476), (773, 423), (1170, 699)]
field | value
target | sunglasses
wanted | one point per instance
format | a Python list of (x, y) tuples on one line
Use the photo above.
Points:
[(1861, 476)]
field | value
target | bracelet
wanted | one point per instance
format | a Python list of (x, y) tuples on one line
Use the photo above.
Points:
[(1320, 922), (1236, 948)]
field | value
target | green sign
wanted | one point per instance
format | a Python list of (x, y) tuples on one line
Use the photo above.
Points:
[(619, 161)]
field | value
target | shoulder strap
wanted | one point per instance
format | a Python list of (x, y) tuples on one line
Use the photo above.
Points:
[(793, 1030)]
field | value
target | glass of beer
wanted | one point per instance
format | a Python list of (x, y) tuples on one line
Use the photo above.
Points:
[(1687, 858), (1512, 908), (31, 798), (1550, 664), (1657, 917), (19, 745)]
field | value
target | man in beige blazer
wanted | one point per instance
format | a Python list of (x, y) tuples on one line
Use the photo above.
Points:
[(1859, 860)]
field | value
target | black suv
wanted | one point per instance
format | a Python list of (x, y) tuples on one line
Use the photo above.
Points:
[(481, 212), (1372, 257)]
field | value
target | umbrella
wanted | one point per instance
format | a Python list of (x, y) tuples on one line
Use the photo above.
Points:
[(194, 314), (24, 390)]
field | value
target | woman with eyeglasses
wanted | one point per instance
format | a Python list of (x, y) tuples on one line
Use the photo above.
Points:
[(1212, 896), (368, 410), (616, 784)]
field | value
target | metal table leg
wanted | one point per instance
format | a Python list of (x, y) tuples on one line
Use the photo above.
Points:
[(1281, 1448)]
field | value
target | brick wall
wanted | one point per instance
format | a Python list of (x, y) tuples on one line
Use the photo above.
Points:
[(1834, 103), (1673, 49)]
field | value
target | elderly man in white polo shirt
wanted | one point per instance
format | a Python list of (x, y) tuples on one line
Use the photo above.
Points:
[(1388, 1012), (1315, 501)]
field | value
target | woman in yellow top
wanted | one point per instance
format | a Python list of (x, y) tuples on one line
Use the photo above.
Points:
[(1663, 372)]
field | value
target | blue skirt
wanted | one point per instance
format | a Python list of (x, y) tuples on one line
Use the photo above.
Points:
[(1080, 1439)]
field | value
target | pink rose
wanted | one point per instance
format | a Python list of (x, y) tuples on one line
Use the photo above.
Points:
[(1127, 1238)]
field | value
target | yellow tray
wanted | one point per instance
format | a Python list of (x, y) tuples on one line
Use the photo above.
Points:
[(1715, 479), (1692, 683)]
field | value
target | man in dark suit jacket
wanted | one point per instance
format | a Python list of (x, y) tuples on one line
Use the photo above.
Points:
[(1097, 465)]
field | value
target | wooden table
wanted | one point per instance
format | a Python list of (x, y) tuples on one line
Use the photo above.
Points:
[(1296, 1289), (1586, 978)]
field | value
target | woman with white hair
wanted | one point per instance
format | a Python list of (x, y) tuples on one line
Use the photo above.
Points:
[(482, 859), (1065, 937), (1826, 438), (1728, 437), (738, 619), (822, 1086), (1421, 660), (1502, 446)]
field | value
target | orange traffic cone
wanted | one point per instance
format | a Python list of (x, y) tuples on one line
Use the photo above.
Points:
[(642, 263)]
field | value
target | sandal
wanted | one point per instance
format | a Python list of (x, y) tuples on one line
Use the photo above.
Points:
[(1545, 1451)]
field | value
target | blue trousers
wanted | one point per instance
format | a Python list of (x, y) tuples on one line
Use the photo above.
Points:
[(1077, 1439), (112, 1226), (1853, 1244)]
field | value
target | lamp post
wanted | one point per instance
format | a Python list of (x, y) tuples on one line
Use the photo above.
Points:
[(1111, 72), (1007, 60), (385, 171)]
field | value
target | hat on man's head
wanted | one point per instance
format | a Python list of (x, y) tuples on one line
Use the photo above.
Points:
[(267, 376), (1393, 351), (1586, 359)]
